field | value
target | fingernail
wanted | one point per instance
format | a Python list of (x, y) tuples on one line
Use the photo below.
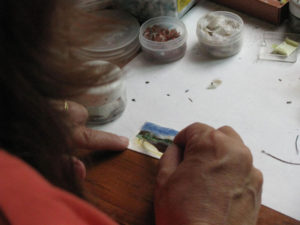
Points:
[(79, 167), (124, 140)]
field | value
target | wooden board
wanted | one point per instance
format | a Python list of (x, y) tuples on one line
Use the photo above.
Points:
[(122, 185)]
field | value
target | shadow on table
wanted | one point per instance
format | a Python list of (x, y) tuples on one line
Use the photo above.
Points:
[(122, 186)]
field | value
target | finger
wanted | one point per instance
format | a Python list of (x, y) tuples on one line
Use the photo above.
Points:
[(193, 131), (254, 187), (168, 164), (230, 132), (79, 167), (245, 206), (256, 180), (235, 149), (99, 140), (257, 183), (78, 114)]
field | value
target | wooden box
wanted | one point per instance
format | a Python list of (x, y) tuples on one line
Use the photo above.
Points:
[(269, 10)]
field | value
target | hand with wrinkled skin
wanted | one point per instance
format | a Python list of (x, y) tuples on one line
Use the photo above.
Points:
[(207, 178), (86, 138)]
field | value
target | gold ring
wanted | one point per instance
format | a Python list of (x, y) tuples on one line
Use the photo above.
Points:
[(66, 106)]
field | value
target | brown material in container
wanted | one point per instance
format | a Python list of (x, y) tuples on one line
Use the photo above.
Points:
[(268, 10)]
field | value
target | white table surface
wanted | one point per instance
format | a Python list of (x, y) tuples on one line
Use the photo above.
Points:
[(251, 99)]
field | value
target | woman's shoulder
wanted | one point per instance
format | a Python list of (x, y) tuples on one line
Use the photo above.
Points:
[(27, 196)]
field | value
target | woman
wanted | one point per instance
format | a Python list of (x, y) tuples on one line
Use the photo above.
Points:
[(201, 179)]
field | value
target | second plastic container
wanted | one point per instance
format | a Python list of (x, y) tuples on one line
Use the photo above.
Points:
[(164, 51), (106, 101), (220, 33)]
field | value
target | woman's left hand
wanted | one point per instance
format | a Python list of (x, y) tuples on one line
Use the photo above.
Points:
[(86, 138)]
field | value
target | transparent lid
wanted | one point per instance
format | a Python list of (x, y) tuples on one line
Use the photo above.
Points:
[(272, 39), (94, 5), (117, 35)]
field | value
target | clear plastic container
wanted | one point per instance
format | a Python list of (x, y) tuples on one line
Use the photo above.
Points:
[(164, 51), (294, 17), (118, 43), (220, 33), (107, 101), (271, 39), (94, 5)]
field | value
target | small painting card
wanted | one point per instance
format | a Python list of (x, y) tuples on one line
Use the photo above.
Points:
[(152, 140)]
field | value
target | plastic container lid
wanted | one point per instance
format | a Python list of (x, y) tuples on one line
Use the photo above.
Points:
[(94, 5), (119, 35), (117, 41), (272, 38), (118, 57)]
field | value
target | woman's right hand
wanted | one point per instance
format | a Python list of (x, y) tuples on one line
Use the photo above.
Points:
[(207, 178)]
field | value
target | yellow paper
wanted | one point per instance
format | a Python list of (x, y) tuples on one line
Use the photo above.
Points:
[(285, 48), (181, 4)]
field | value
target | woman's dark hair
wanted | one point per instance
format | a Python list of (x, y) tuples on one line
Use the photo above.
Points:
[(37, 38)]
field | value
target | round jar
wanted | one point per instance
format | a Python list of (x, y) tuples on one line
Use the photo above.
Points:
[(220, 33), (294, 17), (117, 41), (105, 102), (166, 41)]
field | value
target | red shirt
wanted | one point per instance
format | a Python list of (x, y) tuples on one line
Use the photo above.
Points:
[(26, 198)]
